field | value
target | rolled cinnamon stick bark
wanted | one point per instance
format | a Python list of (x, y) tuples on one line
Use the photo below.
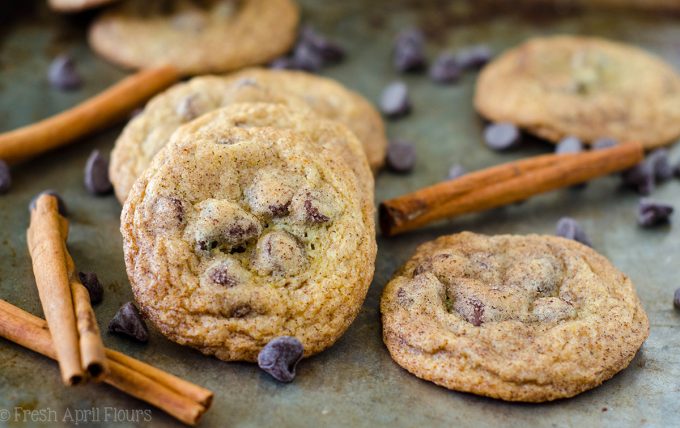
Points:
[(94, 114)]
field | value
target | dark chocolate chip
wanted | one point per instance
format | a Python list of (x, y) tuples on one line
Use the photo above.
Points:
[(307, 58), (501, 136), (280, 210), (93, 286), (409, 51), (456, 171), (676, 298), (128, 321), (220, 275), (62, 73), (61, 206), (283, 63), (313, 214), (477, 313), (395, 101), (569, 228), (329, 51), (5, 177), (640, 177), (569, 145), (445, 69), (280, 357), (604, 143), (474, 57), (97, 174), (401, 156), (661, 165), (652, 213)]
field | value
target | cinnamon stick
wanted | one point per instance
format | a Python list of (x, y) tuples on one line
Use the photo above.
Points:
[(127, 374), (48, 253), (502, 185), (96, 113)]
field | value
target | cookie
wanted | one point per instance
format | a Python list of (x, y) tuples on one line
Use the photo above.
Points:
[(236, 235), (584, 87), (521, 318), (149, 131), (206, 36), (76, 5)]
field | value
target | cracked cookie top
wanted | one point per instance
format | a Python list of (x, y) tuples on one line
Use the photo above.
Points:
[(237, 234), (528, 318)]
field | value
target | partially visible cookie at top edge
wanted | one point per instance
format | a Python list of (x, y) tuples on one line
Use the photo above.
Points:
[(256, 234), (69, 6), (149, 131), (585, 87), (520, 318), (212, 36)]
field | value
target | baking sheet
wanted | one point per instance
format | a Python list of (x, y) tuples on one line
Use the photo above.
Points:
[(354, 383)]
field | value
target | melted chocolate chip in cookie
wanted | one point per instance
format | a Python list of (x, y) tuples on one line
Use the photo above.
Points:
[(279, 253), (223, 223), (270, 194)]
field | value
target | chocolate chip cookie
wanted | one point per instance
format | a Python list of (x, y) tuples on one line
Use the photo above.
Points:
[(584, 87), (236, 235), (149, 131), (521, 318), (207, 36)]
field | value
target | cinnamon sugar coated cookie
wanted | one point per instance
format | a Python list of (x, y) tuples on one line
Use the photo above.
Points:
[(207, 36), (584, 87), (149, 131), (236, 235), (521, 318)]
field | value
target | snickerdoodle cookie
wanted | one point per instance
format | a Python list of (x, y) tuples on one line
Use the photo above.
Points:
[(521, 318)]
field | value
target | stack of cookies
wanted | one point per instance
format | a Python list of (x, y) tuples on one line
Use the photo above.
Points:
[(248, 210)]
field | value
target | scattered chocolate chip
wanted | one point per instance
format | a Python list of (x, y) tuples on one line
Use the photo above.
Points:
[(313, 213), (5, 177), (661, 165), (652, 213), (604, 143), (283, 63), (456, 171), (329, 51), (61, 206), (280, 357), (128, 321), (640, 177), (94, 287), (569, 145), (501, 136), (395, 101), (307, 58), (446, 69), (676, 298), (63, 75), (474, 57), (401, 156), (97, 175), (569, 228), (409, 51)]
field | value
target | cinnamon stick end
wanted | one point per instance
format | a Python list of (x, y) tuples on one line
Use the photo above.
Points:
[(389, 218), (96, 371)]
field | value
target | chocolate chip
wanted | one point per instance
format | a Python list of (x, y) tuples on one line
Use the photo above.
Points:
[(283, 63), (307, 58), (477, 312), (456, 171), (640, 177), (395, 101), (401, 156), (94, 287), (128, 321), (569, 144), (569, 228), (446, 69), (660, 164), (329, 51), (501, 136), (220, 275), (280, 357), (409, 51), (61, 206), (652, 213), (5, 177), (63, 75), (474, 57), (676, 298), (313, 213), (97, 175), (604, 143)]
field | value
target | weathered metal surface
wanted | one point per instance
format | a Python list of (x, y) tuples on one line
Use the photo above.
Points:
[(355, 383)]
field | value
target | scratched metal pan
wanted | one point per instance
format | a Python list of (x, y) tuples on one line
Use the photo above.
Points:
[(355, 383)]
